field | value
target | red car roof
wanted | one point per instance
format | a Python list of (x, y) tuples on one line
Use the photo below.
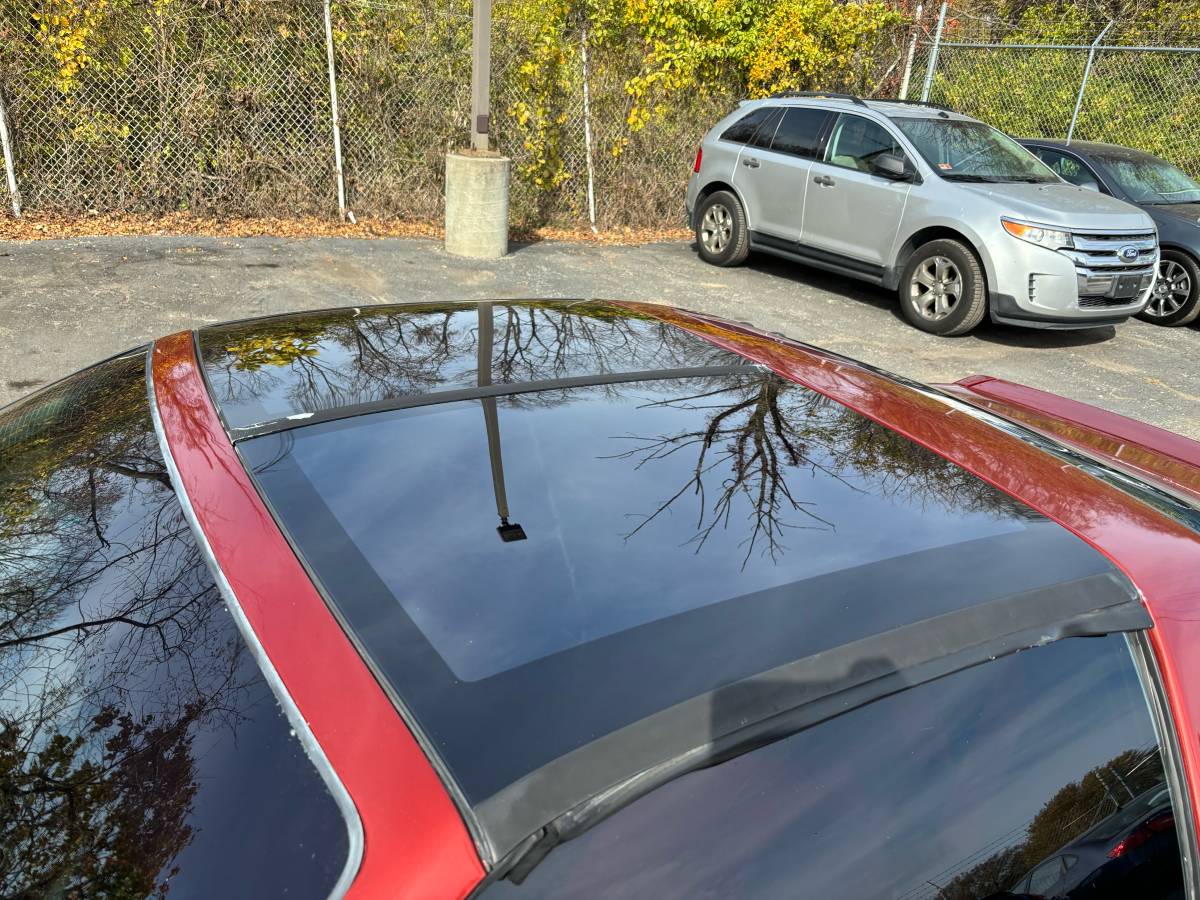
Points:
[(423, 840)]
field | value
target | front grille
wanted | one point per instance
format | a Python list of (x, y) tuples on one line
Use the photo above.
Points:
[(1104, 302), (1101, 251)]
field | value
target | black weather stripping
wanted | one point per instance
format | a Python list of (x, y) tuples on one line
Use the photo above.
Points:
[(569, 795)]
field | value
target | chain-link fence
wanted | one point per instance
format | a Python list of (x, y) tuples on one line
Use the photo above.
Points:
[(224, 108), (1122, 86)]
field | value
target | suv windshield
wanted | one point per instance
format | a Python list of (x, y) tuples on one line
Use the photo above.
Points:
[(971, 151), (1147, 179)]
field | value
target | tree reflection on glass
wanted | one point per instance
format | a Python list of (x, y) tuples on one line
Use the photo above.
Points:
[(1077, 842), (333, 359), (757, 436), (110, 656)]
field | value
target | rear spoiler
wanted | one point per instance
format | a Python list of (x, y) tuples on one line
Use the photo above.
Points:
[(1152, 454)]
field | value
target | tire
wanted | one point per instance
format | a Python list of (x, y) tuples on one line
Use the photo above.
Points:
[(942, 288), (721, 232), (1176, 296)]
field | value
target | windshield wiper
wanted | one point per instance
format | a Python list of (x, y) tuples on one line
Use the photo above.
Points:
[(983, 179)]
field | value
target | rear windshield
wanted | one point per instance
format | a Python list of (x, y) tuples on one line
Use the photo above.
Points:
[(575, 560), (1037, 775), (141, 752)]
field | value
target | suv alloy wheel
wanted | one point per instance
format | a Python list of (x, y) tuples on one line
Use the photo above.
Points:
[(1176, 296), (942, 288), (721, 232)]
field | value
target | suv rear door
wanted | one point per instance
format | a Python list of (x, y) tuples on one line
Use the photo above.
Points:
[(850, 211), (772, 169)]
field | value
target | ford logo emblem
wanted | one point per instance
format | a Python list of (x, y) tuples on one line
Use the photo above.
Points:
[(1129, 253)]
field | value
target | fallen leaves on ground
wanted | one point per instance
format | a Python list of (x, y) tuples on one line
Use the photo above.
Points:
[(36, 227)]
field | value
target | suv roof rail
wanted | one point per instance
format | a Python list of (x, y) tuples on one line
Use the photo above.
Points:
[(830, 95), (913, 103)]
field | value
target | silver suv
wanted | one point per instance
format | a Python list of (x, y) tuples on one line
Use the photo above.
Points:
[(955, 216)]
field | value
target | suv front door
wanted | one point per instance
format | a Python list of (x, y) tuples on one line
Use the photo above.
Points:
[(850, 211)]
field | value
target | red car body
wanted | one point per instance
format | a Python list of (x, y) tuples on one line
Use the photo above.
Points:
[(413, 832), (414, 841)]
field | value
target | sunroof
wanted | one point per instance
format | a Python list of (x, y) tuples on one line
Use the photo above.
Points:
[(633, 505), (531, 572)]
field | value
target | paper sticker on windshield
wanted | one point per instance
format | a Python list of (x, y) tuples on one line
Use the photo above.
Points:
[(945, 166)]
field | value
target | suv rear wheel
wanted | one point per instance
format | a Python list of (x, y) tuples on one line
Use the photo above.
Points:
[(721, 232), (942, 288), (1176, 296)]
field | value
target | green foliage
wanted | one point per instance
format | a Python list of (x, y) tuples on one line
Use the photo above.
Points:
[(1136, 98), (688, 46)]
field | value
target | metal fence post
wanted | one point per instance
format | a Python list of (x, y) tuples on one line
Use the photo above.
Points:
[(333, 108), (912, 51), (933, 54), (13, 193), (587, 130), (1087, 70), (481, 72)]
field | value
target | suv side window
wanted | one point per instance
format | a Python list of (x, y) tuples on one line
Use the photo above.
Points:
[(766, 131), (799, 133), (959, 788), (741, 131), (1068, 168), (856, 142)]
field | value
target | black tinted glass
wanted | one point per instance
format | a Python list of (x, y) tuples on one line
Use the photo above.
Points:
[(743, 130), (292, 365), (502, 558), (800, 131), (141, 752), (762, 137), (1036, 774)]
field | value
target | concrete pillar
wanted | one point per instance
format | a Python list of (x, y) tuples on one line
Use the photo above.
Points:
[(477, 204)]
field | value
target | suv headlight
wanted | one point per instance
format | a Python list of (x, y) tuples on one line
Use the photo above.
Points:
[(1050, 238)]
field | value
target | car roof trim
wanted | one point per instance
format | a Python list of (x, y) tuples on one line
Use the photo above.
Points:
[(569, 795)]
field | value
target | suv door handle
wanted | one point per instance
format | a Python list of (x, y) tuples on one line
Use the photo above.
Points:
[(751, 162), (824, 181)]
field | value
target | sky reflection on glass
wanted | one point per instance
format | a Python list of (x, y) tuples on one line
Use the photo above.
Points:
[(638, 503)]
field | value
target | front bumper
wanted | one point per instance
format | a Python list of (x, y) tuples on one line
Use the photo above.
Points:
[(1039, 287)]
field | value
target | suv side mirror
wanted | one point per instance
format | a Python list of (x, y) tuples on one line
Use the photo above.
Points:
[(889, 165)]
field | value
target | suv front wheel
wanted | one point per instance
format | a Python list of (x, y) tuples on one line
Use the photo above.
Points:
[(721, 232), (942, 288)]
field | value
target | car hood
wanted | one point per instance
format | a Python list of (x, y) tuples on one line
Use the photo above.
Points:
[(1188, 213), (1063, 205)]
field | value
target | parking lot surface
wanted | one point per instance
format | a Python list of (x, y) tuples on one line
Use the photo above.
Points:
[(64, 304)]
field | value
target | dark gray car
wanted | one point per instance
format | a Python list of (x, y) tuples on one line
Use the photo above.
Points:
[(1170, 197)]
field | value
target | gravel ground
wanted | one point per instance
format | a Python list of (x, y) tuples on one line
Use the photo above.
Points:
[(66, 303)]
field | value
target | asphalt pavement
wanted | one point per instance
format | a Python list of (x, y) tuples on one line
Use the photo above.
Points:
[(67, 303)]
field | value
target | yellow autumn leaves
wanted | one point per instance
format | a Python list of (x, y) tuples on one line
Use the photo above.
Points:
[(64, 27)]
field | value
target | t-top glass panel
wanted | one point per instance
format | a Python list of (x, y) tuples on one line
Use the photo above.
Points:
[(268, 369), (575, 560), (632, 504)]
